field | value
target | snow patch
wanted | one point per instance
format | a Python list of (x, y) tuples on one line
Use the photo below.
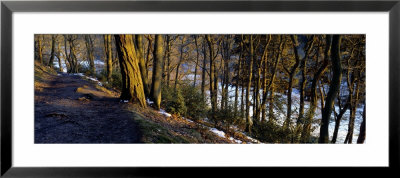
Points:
[(149, 101), (218, 132), (235, 140), (163, 112)]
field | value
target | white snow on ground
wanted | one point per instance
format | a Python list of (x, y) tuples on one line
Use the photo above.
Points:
[(149, 101), (235, 140), (95, 80), (187, 120), (218, 132), (280, 114), (63, 65), (163, 112), (79, 74)]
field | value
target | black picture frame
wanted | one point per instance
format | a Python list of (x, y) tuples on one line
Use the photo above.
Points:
[(8, 7)]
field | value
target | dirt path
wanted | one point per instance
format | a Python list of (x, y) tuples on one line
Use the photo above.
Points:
[(69, 109)]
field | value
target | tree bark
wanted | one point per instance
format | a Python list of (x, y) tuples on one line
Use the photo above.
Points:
[(109, 56), (132, 86), (60, 67), (305, 135), (53, 43), (353, 110), (361, 136), (40, 48), (203, 73), (333, 89), (339, 119), (238, 69), (157, 71), (213, 94), (249, 121), (179, 63), (72, 55), (269, 86), (90, 53), (142, 64), (168, 68), (264, 66), (292, 73), (197, 60)]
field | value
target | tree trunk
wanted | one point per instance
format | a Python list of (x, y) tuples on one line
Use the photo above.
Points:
[(268, 86), (306, 131), (302, 85), (197, 60), (203, 74), (90, 53), (249, 121), (361, 136), (338, 119), (40, 47), (264, 66), (72, 54), (292, 73), (60, 67), (213, 94), (53, 43), (237, 83), (132, 86), (353, 110), (142, 64), (67, 55), (109, 56), (179, 63), (157, 71), (271, 115), (333, 89), (168, 60)]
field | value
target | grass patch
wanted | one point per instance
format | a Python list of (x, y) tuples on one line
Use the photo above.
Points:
[(154, 133)]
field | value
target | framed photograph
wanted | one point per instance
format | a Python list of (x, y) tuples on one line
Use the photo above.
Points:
[(137, 88)]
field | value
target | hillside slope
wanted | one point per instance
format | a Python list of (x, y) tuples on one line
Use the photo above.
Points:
[(74, 108)]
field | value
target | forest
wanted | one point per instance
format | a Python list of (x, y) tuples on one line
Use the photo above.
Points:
[(200, 88)]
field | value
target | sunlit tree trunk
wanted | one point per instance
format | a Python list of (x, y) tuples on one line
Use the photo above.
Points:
[(212, 71), (72, 54), (270, 86), (249, 121), (67, 55), (90, 53), (58, 54), (40, 48), (292, 72), (333, 89), (142, 64), (52, 54), (132, 86), (197, 60), (155, 92), (109, 56)]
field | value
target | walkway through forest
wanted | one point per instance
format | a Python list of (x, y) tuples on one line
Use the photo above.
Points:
[(69, 109)]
